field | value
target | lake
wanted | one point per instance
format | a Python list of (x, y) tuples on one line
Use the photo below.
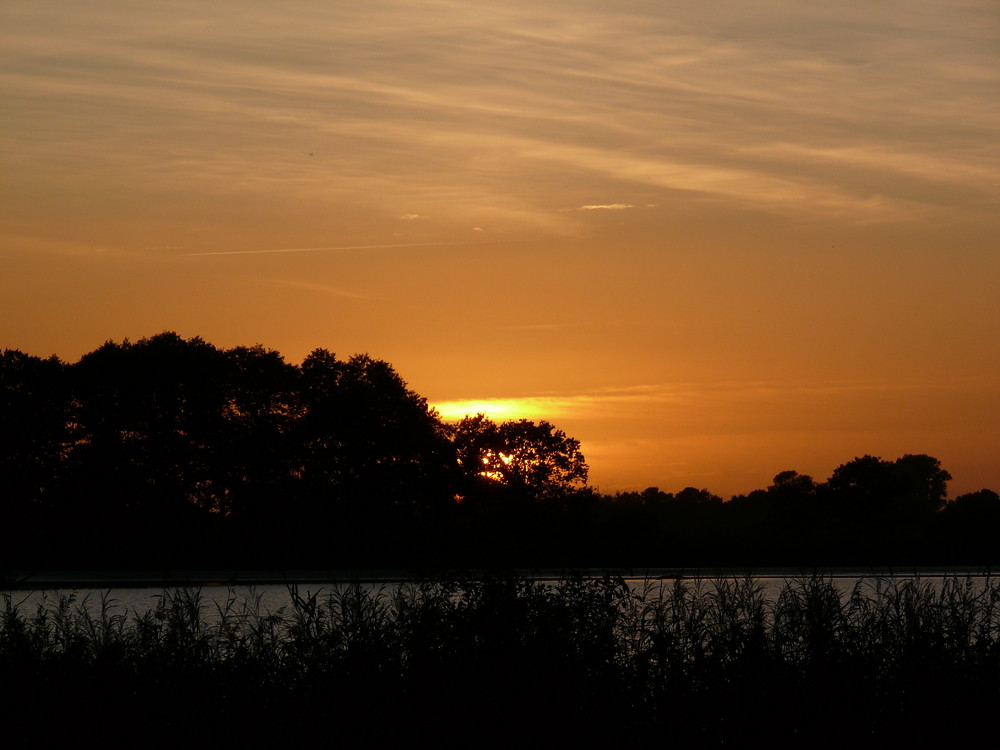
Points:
[(268, 592)]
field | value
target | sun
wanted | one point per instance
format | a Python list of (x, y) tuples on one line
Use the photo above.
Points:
[(498, 410)]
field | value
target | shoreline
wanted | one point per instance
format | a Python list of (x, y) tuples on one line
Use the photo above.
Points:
[(61, 579)]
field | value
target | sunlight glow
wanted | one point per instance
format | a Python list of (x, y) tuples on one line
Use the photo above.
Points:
[(489, 461), (500, 409)]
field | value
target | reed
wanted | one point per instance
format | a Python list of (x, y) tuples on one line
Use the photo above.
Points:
[(700, 660)]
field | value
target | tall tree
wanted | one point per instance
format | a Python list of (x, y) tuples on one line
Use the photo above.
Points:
[(34, 429), (532, 460), (254, 455), (366, 439), (147, 416), (922, 483), (890, 492)]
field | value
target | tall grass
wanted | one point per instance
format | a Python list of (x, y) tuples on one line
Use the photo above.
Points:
[(696, 661)]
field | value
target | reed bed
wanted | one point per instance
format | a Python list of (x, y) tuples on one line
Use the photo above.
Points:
[(490, 660)]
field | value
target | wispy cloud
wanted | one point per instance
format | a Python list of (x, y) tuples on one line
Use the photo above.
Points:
[(331, 249), (538, 326), (601, 207), (557, 406), (560, 406), (513, 104), (740, 399), (328, 289)]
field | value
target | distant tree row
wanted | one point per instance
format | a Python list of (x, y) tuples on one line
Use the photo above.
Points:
[(869, 510), (177, 450), (903, 491)]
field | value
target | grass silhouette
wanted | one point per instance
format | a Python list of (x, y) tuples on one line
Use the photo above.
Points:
[(496, 659)]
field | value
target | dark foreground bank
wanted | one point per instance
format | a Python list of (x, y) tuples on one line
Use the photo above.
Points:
[(491, 661)]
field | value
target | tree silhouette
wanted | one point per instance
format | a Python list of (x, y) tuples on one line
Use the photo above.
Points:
[(901, 491), (982, 506), (34, 430), (692, 497), (922, 485), (254, 456), (532, 460), (366, 439), (148, 416)]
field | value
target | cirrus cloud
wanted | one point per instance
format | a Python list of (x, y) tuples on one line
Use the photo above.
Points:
[(601, 207)]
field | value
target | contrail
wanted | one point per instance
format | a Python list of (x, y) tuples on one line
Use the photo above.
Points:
[(340, 247)]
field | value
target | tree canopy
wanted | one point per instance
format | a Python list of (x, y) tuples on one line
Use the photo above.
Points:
[(533, 460)]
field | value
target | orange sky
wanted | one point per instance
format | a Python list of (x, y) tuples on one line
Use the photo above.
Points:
[(712, 241)]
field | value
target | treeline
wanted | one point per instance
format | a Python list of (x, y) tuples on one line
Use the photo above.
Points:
[(168, 452), (869, 512)]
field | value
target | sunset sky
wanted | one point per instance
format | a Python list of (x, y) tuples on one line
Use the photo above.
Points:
[(711, 240)]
